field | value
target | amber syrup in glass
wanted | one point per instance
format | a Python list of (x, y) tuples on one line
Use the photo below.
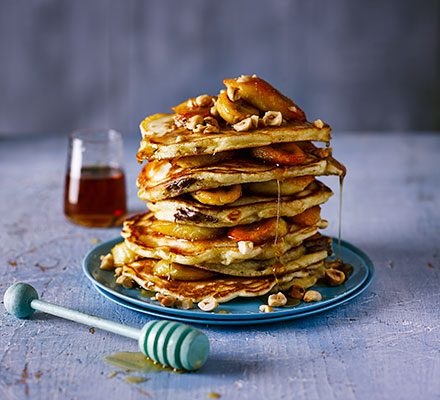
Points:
[(97, 197)]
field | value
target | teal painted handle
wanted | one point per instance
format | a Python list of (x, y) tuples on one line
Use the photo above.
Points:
[(169, 343)]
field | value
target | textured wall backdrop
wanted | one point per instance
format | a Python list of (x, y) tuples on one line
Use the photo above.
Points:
[(357, 64)]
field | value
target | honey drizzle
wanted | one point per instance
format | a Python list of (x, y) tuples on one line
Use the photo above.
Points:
[(274, 269), (341, 186), (278, 210)]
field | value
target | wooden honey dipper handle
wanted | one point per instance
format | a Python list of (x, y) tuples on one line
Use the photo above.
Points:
[(169, 343)]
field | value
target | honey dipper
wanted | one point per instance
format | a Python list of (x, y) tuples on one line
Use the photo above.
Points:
[(168, 343)]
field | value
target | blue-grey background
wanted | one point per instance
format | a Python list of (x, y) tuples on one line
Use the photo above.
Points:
[(360, 65)]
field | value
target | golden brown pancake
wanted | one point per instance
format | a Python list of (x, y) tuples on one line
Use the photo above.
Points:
[(168, 180), (246, 210), (161, 139), (222, 288)]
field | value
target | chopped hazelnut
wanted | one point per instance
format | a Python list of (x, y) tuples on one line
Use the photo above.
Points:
[(312, 295), (204, 100), (244, 78), (318, 123), (246, 124), (273, 118), (265, 308), (297, 292), (232, 93), (194, 121), (125, 281), (334, 277), (211, 129), (166, 301), (277, 300), (208, 304), (107, 262)]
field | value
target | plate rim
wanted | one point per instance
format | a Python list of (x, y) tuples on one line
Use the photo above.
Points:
[(86, 266)]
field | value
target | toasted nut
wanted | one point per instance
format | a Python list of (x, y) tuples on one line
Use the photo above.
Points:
[(247, 124), (265, 308), (244, 78), (210, 121), (334, 277), (166, 301), (204, 100), (213, 110), (185, 304), (318, 123), (297, 292), (211, 129), (312, 295), (273, 118), (245, 247), (125, 281), (277, 300), (194, 121), (233, 93), (208, 304), (107, 262), (191, 103), (118, 271)]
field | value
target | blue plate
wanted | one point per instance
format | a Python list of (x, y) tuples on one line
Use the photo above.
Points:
[(268, 320), (239, 309)]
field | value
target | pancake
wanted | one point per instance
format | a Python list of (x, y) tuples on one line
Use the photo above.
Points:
[(164, 180), (246, 210), (162, 139), (143, 241), (289, 262), (222, 288)]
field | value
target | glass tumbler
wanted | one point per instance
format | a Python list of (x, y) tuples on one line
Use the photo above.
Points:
[(94, 192)]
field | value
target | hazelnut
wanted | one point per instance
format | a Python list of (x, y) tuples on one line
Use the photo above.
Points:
[(190, 103), (185, 304), (318, 123), (246, 124), (265, 308), (210, 121), (125, 281), (277, 300), (208, 304), (312, 295), (164, 300), (203, 100), (244, 78), (118, 271), (194, 121), (297, 292), (273, 118), (107, 262), (211, 129), (232, 93), (213, 111), (334, 277)]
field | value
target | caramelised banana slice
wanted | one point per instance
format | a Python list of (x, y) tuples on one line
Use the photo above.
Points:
[(218, 197), (183, 231), (284, 188), (264, 96), (233, 111)]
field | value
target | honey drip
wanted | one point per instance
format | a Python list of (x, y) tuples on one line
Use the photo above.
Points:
[(341, 186), (274, 269)]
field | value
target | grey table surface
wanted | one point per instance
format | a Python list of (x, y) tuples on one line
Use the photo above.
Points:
[(384, 344)]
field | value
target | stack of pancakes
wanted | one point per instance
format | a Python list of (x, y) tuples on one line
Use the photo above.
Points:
[(233, 199)]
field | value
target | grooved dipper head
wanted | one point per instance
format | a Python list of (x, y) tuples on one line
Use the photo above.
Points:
[(174, 344)]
